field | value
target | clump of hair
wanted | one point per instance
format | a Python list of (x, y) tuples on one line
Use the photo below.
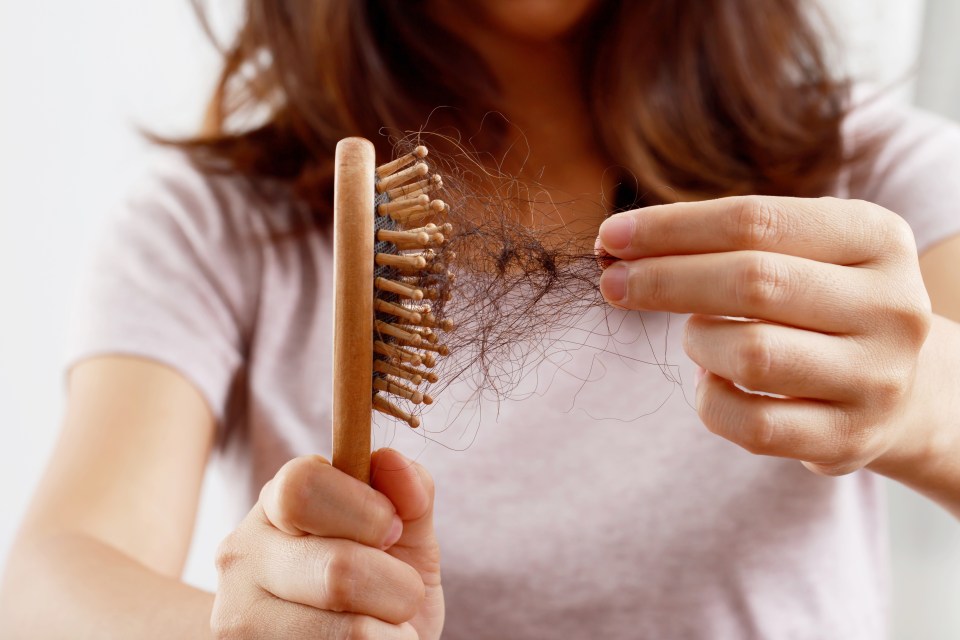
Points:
[(514, 283)]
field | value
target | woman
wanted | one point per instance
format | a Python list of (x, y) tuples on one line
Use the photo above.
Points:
[(198, 335)]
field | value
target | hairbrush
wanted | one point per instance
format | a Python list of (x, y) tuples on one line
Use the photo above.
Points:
[(391, 279)]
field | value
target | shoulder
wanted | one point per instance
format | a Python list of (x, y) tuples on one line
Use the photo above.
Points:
[(176, 276), (207, 207), (908, 161)]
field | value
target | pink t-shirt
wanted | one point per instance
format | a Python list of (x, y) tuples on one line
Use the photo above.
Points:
[(595, 504)]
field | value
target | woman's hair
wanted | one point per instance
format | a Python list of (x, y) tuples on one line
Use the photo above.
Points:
[(695, 98)]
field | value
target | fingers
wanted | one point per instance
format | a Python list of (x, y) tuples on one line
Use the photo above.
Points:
[(777, 359), (309, 496), (843, 232), (410, 488), (815, 432), (273, 618), (339, 575), (755, 284), (316, 557)]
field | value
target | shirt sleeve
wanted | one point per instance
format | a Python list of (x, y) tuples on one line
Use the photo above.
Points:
[(912, 166), (174, 279)]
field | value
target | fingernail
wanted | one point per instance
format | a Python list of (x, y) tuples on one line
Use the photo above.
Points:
[(613, 283), (405, 459), (396, 530), (617, 232), (604, 259)]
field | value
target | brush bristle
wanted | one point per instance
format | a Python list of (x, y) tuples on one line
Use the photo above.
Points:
[(412, 281)]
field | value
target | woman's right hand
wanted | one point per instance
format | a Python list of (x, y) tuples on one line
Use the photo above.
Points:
[(323, 555)]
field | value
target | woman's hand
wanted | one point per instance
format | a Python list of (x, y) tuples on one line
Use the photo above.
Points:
[(820, 301), (323, 555)]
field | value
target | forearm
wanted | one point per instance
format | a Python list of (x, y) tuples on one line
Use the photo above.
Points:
[(928, 457), (73, 586)]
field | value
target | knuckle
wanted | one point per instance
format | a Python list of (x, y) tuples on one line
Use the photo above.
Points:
[(760, 281), (753, 428), (711, 413), (754, 359), (378, 517), (846, 457), (236, 629), (888, 387), (414, 592), (408, 632), (898, 230), (651, 286), (290, 490), (229, 553), (757, 433), (913, 321), (358, 628), (891, 231), (228, 622), (758, 222), (341, 577), (836, 469), (852, 438)]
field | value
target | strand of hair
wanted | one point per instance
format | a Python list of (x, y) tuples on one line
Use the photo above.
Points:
[(434, 233), (382, 366), (432, 323), (398, 389), (383, 405), (418, 188), (425, 332), (396, 310), (441, 349), (394, 331), (429, 376), (398, 353), (436, 294)]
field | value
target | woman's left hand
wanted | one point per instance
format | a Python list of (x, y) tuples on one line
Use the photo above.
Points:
[(820, 301)]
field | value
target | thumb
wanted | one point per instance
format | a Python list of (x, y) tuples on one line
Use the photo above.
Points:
[(409, 487)]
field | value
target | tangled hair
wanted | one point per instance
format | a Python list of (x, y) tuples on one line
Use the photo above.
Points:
[(514, 282), (697, 99), (715, 98)]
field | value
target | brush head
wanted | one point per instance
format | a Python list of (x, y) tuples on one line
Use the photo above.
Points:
[(412, 282)]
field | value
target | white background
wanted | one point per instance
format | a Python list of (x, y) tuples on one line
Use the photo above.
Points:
[(77, 78)]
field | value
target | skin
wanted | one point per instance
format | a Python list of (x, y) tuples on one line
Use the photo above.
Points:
[(523, 44), (102, 548), (319, 555), (821, 301)]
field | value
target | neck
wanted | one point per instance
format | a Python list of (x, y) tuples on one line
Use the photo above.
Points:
[(551, 137), (540, 91)]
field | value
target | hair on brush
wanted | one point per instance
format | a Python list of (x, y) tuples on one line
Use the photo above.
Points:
[(391, 280)]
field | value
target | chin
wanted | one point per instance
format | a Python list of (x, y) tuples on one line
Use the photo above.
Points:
[(534, 19)]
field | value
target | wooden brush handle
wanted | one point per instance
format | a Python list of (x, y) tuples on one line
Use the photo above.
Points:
[(353, 243)]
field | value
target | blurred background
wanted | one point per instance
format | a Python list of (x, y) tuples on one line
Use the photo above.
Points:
[(79, 78)]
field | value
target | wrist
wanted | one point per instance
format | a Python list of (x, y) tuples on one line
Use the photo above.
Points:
[(925, 453)]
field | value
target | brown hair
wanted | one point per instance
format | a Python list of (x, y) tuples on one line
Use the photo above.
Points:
[(698, 99)]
